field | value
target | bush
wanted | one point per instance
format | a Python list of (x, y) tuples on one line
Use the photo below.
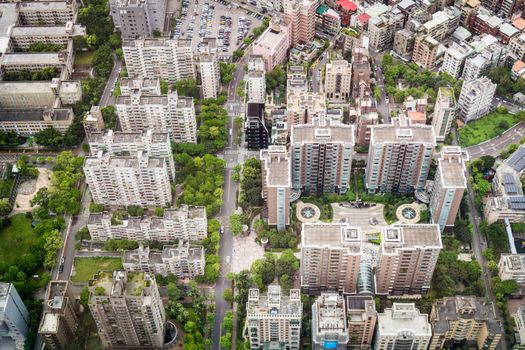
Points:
[(120, 244)]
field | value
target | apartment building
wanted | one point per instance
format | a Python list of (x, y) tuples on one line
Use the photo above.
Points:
[(444, 113), (209, 68), (39, 94), (454, 59), (300, 15), (183, 223), (256, 81), (361, 72), (59, 321), (46, 13), (327, 20), (93, 121), (322, 156), (330, 257), (399, 156), (296, 81), (156, 144), (450, 183), (507, 201), (338, 80), (407, 258), (138, 18), (517, 46), (172, 114), (14, 318), (490, 53), (166, 59), (475, 99), (438, 26), (366, 116), (273, 44), (257, 132), (23, 36), (362, 319), (425, 51), (147, 86), (465, 318), (404, 41), (29, 121), (416, 109), (304, 107), (329, 322), (36, 61), (127, 310), (183, 260), (519, 325), (276, 185), (402, 327), (128, 180), (381, 29), (273, 321), (512, 267)]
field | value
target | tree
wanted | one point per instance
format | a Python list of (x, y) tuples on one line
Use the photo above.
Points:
[(226, 341), (228, 295), (79, 43), (109, 115), (103, 61), (187, 87), (159, 212), (236, 223), (49, 137), (164, 87), (237, 54), (156, 33), (226, 72)]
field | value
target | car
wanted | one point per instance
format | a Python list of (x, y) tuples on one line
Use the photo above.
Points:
[(63, 260), (221, 231), (227, 259)]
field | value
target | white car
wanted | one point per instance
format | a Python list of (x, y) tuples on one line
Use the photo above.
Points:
[(228, 259)]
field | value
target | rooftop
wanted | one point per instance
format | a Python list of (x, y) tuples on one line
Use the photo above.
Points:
[(276, 163), (329, 313), (40, 58), (347, 5), (274, 303), (508, 29), (403, 316), (424, 236), (323, 130), (35, 114), (465, 307), (401, 131), (452, 170), (61, 31), (8, 18), (332, 235)]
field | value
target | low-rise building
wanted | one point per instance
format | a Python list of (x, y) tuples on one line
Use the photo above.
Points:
[(327, 20), (329, 322), (304, 107), (402, 327), (29, 121), (183, 261), (184, 223), (507, 200), (273, 44), (22, 37), (296, 82), (39, 94), (512, 267), (465, 318)]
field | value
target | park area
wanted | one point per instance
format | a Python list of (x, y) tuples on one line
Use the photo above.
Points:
[(86, 268), (16, 238), (486, 128)]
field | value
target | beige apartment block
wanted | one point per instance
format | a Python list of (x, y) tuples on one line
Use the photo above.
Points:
[(338, 80), (362, 319)]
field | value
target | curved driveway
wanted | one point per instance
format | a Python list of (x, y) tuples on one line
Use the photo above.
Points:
[(495, 146)]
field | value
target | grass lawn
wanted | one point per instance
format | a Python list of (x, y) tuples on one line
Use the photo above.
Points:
[(6, 186), (84, 57), (485, 128), (16, 239), (86, 268)]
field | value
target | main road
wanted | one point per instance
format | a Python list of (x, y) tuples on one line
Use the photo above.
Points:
[(231, 156)]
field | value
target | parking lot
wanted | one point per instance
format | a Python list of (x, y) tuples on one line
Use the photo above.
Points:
[(215, 19)]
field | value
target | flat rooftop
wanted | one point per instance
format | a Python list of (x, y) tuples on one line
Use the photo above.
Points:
[(24, 87), (34, 114), (319, 132), (410, 236), (8, 18), (402, 133), (452, 172), (44, 6), (37, 31), (332, 235), (270, 37), (49, 323), (40, 59), (276, 162), (403, 316)]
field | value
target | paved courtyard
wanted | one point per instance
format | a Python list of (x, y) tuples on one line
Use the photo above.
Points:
[(360, 216), (245, 252)]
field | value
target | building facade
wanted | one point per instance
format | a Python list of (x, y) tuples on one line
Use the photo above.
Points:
[(127, 310), (322, 156), (402, 327), (444, 113), (407, 258), (276, 185), (138, 18), (338, 80), (465, 319), (185, 223), (166, 59), (273, 321), (172, 114), (450, 183), (300, 15), (475, 99), (362, 319), (273, 44), (60, 320), (330, 257), (14, 318), (399, 157), (329, 322), (128, 180), (183, 261)]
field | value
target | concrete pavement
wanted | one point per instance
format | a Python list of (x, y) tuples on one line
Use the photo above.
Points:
[(107, 98)]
